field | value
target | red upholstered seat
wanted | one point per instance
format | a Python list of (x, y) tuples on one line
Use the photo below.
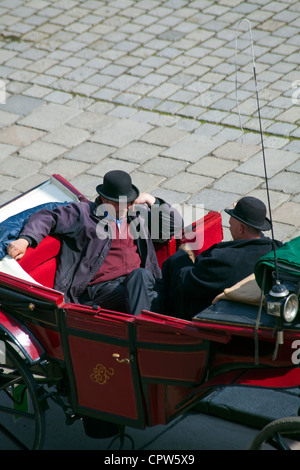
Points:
[(205, 233), (41, 262), (207, 230)]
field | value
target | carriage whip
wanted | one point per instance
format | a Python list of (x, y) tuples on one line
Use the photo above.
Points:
[(278, 289)]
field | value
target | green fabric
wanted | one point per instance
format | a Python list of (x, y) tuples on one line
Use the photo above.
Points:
[(288, 262)]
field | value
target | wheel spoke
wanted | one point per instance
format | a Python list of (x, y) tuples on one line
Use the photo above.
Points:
[(21, 411), (21, 414), (12, 438)]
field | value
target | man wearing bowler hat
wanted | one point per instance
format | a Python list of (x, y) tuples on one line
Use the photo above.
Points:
[(192, 284), (107, 254)]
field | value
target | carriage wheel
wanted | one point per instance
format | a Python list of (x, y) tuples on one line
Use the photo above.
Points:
[(22, 423), (275, 431)]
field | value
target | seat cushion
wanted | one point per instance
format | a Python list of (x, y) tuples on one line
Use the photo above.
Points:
[(41, 262)]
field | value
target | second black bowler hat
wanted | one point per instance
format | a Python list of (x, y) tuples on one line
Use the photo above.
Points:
[(251, 211), (117, 184)]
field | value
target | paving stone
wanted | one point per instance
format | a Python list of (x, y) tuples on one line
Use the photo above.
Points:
[(137, 152), (121, 132), (187, 182), (41, 151), (7, 118), (208, 129), (146, 182), (62, 166), (276, 198), (127, 98), (186, 124), (170, 107), (6, 55), (164, 136), (276, 161), (284, 232), (109, 164), (150, 87), (29, 182), (19, 167), (287, 182), (164, 166), (106, 94), (123, 112), (22, 76), (287, 213), (91, 120), (236, 151), (43, 80), (58, 97), (164, 91), (293, 146), (207, 98), (214, 116), (281, 128), (292, 115), (212, 166), (7, 182), (240, 183), (22, 105), (37, 91), (148, 103), (85, 89), (49, 116), (192, 148), (183, 96), (86, 184), (6, 150), (19, 136), (67, 136), (295, 166), (214, 200), (171, 196), (90, 152), (275, 142), (191, 111), (123, 82)]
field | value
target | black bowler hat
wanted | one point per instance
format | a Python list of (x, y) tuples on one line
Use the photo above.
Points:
[(251, 211), (117, 184)]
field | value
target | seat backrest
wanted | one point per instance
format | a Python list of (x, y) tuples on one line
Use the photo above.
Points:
[(204, 233), (41, 262), (207, 231)]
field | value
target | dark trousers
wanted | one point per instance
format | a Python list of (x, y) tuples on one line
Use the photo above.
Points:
[(131, 294)]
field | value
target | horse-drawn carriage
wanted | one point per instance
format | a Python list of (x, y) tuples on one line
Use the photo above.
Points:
[(115, 370)]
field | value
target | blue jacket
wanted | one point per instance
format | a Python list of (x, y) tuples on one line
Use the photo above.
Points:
[(86, 242), (10, 228)]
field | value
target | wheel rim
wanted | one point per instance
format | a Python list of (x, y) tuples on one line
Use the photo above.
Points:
[(22, 423), (276, 432)]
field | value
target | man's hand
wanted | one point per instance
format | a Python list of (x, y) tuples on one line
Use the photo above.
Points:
[(185, 247), (17, 248), (145, 198)]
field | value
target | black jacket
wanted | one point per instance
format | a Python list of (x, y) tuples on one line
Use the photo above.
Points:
[(192, 287)]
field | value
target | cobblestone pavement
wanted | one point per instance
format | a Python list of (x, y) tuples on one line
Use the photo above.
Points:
[(150, 87)]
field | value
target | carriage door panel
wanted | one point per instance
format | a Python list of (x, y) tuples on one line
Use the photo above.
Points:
[(103, 368), (173, 359)]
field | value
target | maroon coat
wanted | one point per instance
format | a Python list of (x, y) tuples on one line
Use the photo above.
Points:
[(86, 241)]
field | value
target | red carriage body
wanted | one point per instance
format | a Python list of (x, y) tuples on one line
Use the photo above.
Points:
[(133, 371)]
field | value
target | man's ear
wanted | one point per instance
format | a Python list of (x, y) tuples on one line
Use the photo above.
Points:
[(242, 228)]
